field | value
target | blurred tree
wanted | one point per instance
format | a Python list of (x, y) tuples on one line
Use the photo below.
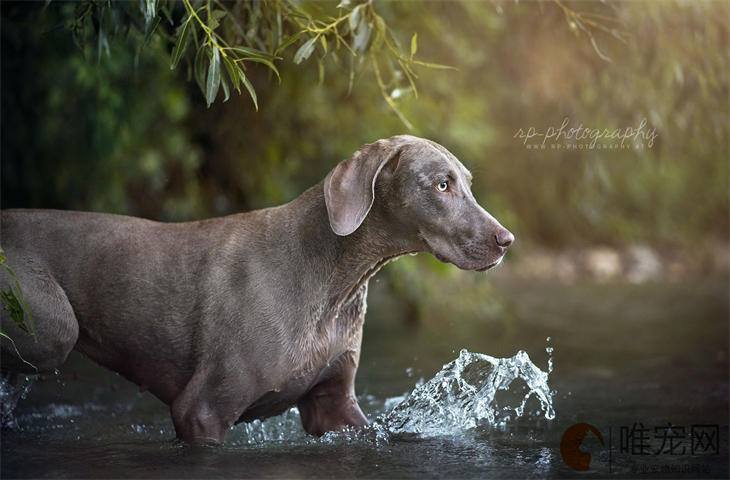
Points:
[(218, 39)]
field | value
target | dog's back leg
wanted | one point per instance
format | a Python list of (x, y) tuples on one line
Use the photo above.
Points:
[(55, 323)]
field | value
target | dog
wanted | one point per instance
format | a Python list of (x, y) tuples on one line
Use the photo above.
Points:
[(239, 318)]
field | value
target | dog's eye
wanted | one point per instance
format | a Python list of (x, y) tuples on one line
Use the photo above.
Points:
[(442, 186)]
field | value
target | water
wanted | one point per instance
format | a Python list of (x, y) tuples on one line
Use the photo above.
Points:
[(619, 355), (457, 400), (463, 396)]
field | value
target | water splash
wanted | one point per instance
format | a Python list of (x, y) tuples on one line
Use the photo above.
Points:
[(549, 351), (12, 390), (465, 394), (286, 427)]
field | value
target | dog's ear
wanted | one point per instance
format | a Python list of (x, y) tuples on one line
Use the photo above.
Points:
[(349, 189)]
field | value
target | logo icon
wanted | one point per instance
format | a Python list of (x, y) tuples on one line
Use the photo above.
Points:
[(570, 450)]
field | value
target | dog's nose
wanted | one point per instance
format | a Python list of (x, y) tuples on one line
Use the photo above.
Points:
[(504, 238)]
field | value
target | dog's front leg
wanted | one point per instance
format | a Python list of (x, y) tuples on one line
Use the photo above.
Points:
[(331, 405), (206, 409)]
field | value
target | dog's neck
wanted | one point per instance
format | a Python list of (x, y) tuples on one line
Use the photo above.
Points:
[(329, 275), (343, 265)]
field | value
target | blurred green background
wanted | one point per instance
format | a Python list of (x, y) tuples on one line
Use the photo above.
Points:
[(122, 132)]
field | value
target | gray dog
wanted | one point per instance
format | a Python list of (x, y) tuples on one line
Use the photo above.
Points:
[(238, 318)]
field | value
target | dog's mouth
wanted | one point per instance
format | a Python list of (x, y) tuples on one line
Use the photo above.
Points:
[(493, 264), (466, 257), (467, 266)]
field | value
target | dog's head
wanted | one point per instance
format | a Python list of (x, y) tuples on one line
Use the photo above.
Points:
[(424, 193)]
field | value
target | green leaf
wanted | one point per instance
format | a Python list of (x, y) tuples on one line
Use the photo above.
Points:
[(200, 69), (26, 310), (150, 30), (182, 43), (265, 62), (437, 66), (13, 306), (166, 10), (226, 92), (304, 51), (233, 73), (414, 45), (250, 89), (323, 41), (214, 77), (214, 18), (9, 270), (253, 52), (410, 76), (288, 42)]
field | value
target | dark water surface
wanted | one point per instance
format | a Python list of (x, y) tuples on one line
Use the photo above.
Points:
[(628, 359)]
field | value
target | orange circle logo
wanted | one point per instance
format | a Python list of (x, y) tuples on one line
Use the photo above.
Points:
[(570, 450)]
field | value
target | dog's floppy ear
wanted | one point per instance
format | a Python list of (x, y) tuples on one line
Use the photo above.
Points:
[(349, 189)]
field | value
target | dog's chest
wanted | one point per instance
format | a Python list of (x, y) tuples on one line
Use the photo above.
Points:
[(331, 332), (319, 354), (288, 392)]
